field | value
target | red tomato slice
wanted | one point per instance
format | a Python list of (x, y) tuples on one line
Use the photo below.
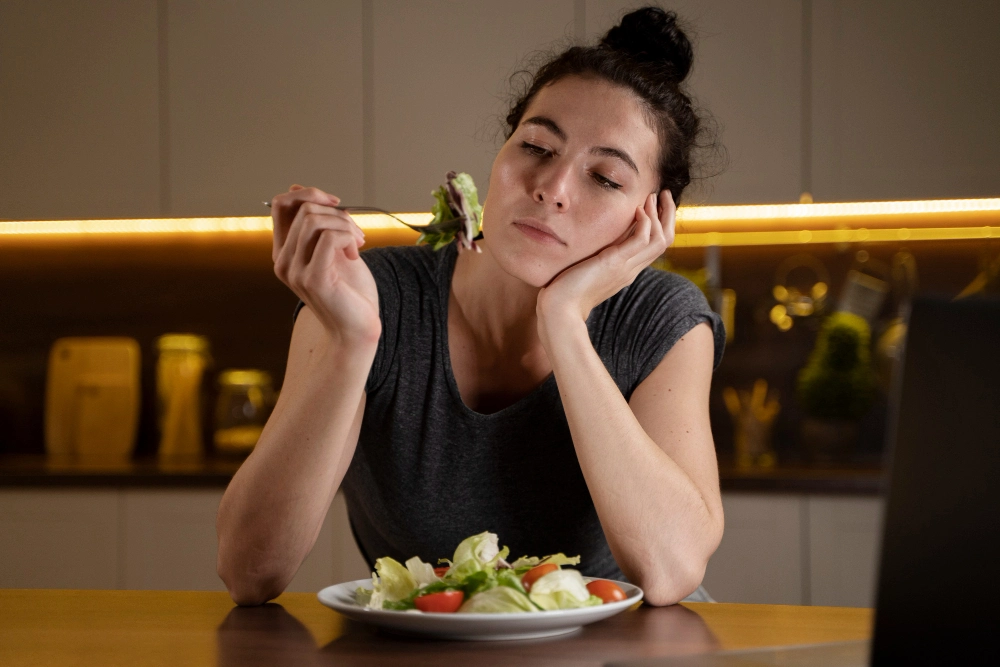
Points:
[(441, 571), (536, 573), (608, 591), (445, 602)]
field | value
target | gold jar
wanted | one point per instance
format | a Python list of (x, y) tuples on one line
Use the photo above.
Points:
[(244, 404), (179, 372)]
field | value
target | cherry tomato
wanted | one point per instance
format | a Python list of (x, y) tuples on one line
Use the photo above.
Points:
[(441, 571), (608, 591), (445, 602), (536, 573)]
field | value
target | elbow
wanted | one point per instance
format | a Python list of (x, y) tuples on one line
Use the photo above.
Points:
[(248, 586), (667, 588), (680, 576), (670, 588), (249, 589)]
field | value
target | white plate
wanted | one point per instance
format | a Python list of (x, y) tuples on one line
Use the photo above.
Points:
[(485, 627)]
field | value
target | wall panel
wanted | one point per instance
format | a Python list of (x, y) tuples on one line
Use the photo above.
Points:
[(905, 97), (441, 73), (79, 119), (262, 95)]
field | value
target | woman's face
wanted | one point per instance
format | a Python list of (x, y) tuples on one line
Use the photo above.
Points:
[(568, 181)]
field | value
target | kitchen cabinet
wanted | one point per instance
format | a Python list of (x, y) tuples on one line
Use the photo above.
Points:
[(844, 540), (418, 133), (904, 100), (778, 548), (261, 95), (80, 118), (141, 539), (797, 549), (761, 555), (59, 539)]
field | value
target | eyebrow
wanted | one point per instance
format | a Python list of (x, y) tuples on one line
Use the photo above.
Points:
[(606, 151)]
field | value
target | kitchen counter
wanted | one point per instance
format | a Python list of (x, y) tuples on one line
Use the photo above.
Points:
[(38, 471)]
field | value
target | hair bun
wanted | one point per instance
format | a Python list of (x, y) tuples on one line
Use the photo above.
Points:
[(651, 36)]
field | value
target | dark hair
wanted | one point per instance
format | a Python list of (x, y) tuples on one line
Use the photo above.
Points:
[(649, 54)]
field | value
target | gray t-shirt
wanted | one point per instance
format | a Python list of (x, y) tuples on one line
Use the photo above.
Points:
[(428, 471)]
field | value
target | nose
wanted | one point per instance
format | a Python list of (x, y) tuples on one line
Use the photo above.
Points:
[(552, 187)]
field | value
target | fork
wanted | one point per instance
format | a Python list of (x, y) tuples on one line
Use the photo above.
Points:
[(449, 225)]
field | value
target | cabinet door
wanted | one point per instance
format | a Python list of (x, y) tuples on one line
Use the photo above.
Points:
[(170, 543), (844, 540), (904, 99), (262, 95), (760, 559), (419, 134), (58, 539), (169, 539), (80, 114)]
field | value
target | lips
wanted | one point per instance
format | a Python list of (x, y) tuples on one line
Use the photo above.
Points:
[(538, 230)]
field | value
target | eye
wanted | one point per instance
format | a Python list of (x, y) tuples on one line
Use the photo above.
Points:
[(532, 149), (605, 183)]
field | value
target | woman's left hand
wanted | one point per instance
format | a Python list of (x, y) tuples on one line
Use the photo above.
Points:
[(584, 285)]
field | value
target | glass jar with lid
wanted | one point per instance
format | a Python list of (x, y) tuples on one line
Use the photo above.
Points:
[(180, 369), (244, 404)]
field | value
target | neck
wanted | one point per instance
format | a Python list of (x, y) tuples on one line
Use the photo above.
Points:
[(498, 308)]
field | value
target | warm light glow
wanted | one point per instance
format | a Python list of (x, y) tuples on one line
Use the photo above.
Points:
[(769, 224), (184, 225)]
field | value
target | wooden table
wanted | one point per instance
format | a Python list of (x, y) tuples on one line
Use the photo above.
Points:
[(52, 627)]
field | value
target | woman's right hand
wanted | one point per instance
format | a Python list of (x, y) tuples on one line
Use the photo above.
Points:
[(316, 254)]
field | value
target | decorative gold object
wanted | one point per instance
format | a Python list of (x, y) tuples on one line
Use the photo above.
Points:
[(799, 298), (244, 404), (753, 414), (179, 371)]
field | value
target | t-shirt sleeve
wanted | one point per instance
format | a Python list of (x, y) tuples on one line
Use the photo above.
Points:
[(387, 283), (652, 315)]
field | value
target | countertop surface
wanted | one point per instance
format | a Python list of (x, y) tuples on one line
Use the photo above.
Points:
[(55, 627), (39, 471)]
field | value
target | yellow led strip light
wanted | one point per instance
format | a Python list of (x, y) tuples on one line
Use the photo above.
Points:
[(771, 224)]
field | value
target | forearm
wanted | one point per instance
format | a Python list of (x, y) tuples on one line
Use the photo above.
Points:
[(660, 528), (274, 507)]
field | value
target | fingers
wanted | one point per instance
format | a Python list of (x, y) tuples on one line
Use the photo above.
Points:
[(312, 221), (636, 246), (668, 217), (322, 268), (311, 218), (285, 206)]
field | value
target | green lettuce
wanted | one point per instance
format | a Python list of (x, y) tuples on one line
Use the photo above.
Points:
[(457, 212), (525, 563), (422, 573), (479, 553), (562, 589), (499, 600), (391, 582)]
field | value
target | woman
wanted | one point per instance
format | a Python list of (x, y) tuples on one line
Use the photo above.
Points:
[(551, 389)]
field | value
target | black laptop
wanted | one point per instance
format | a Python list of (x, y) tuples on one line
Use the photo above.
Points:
[(938, 600)]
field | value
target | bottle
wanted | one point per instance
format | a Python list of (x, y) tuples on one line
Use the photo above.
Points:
[(244, 404), (179, 372)]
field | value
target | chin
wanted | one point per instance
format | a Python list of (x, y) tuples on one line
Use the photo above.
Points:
[(523, 262)]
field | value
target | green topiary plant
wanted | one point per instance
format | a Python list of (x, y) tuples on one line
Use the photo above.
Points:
[(838, 382)]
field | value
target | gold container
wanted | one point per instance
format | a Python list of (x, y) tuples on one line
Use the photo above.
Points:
[(244, 404), (179, 372)]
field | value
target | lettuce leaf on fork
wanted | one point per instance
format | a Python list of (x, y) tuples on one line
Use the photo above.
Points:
[(457, 214)]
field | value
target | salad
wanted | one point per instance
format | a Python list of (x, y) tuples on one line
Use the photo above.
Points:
[(479, 580), (457, 214)]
